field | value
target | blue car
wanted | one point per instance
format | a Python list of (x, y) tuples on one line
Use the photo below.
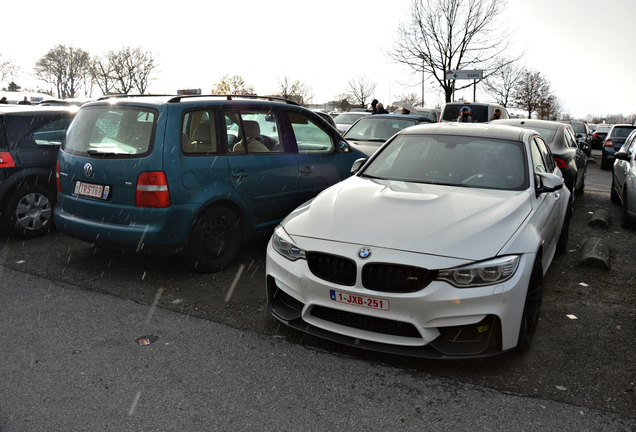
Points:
[(192, 175)]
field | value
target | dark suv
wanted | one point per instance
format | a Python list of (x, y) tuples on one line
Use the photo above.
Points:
[(192, 175), (30, 138)]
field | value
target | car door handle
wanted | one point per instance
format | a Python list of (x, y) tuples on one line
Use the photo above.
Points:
[(239, 174), (307, 170)]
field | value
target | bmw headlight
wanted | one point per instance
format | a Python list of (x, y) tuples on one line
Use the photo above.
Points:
[(284, 245), (484, 273)]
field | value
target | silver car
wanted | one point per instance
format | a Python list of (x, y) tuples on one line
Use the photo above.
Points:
[(623, 180)]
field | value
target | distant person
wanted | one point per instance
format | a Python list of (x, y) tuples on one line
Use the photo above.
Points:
[(380, 109), (496, 115), (374, 106), (464, 115), (4, 101), (24, 102)]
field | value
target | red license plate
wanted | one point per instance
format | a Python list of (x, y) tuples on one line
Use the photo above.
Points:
[(358, 300)]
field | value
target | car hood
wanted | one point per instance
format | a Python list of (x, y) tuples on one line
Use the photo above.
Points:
[(466, 223)]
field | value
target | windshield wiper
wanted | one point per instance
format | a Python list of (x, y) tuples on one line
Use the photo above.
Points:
[(99, 153)]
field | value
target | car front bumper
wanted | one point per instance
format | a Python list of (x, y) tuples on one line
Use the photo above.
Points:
[(439, 321)]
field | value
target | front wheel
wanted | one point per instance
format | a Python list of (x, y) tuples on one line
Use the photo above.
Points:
[(532, 307), (28, 212), (626, 221), (215, 240)]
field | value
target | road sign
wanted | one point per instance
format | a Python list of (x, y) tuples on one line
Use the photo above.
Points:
[(464, 74)]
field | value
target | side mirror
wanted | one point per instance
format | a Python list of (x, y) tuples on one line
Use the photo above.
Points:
[(546, 182), (622, 155), (357, 165)]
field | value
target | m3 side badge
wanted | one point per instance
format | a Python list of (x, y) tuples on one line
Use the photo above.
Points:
[(364, 253)]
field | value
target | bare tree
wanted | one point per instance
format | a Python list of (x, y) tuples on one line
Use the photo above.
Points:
[(360, 90), (8, 71), (131, 69), (532, 92), (412, 98), (443, 35), (65, 68), (234, 85), (296, 91), (550, 108), (502, 82), (102, 74)]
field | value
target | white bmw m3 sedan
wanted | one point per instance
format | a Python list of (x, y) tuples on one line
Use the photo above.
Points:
[(436, 247)]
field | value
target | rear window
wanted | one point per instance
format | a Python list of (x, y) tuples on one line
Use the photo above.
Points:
[(622, 131), (111, 131), (579, 128), (478, 113), (374, 128)]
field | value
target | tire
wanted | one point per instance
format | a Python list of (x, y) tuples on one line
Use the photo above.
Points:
[(604, 164), (626, 221), (215, 240), (581, 190), (532, 307), (613, 194), (28, 212), (562, 243)]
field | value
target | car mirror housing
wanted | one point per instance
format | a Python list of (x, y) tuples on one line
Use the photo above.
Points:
[(621, 155), (357, 165), (546, 182)]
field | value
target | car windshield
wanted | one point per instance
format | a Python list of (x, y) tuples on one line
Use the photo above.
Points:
[(378, 129), (452, 160), (348, 118), (111, 131), (622, 131)]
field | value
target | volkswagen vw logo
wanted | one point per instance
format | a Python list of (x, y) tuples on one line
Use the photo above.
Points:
[(364, 253), (88, 169)]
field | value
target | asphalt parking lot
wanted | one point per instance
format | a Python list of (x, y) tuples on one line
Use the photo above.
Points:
[(584, 361)]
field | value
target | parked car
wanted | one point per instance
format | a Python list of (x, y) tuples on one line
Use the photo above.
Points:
[(346, 119), (599, 136), (624, 180), (30, 137), (582, 135), (569, 157), (479, 112), (431, 113), (192, 175), (437, 246), (613, 142), (369, 133), (325, 115)]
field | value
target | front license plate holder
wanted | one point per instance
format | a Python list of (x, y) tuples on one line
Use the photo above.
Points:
[(359, 300)]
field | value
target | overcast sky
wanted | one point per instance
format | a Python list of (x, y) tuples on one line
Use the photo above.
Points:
[(582, 46)]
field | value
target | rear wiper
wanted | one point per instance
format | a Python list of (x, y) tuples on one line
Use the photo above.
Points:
[(98, 153)]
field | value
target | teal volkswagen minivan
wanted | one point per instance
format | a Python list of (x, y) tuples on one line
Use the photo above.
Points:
[(192, 175)]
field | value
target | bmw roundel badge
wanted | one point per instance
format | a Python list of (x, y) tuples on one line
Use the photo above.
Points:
[(364, 253)]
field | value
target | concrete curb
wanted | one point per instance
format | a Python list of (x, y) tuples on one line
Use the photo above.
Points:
[(595, 253), (601, 218)]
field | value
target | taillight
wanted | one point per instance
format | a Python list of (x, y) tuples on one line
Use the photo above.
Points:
[(57, 177), (560, 162), (608, 143), (596, 135), (152, 190), (6, 161)]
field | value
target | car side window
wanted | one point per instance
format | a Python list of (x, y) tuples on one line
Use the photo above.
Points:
[(52, 133), (199, 133), (548, 159), (310, 137), (629, 144), (570, 141), (252, 131), (538, 163)]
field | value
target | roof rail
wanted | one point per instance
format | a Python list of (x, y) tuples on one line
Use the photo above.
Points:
[(232, 97), (121, 96)]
